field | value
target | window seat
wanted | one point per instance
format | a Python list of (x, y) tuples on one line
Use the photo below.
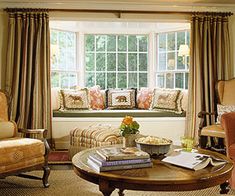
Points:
[(115, 113)]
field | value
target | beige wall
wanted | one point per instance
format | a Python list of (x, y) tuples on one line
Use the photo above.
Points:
[(3, 47)]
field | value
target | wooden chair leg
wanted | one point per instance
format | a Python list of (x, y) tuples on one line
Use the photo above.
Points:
[(46, 174)]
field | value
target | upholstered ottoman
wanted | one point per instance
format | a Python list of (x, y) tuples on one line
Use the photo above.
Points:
[(93, 136)]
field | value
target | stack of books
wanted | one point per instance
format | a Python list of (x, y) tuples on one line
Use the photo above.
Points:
[(114, 158)]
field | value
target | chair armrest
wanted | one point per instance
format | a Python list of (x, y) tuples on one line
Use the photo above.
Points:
[(43, 132), (202, 115)]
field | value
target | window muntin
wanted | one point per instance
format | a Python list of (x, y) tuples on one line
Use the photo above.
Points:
[(172, 70), (116, 61), (63, 59)]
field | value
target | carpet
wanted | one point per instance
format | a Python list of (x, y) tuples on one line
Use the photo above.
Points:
[(66, 182), (59, 157)]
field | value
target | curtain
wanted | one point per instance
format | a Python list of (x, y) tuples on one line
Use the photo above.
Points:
[(210, 62), (28, 68)]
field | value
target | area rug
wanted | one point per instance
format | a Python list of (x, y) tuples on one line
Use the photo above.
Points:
[(66, 182), (59, 157)]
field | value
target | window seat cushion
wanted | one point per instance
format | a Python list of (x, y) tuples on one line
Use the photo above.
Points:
[(115, 113)]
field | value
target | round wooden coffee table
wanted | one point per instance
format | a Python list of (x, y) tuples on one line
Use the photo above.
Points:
[(161, 177)]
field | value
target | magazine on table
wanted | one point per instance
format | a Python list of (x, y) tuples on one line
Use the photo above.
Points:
[(192, 160), (96, 158), (98, 168), (118, 153)]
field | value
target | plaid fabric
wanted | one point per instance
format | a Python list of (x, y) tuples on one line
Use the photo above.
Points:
[(93, 136)]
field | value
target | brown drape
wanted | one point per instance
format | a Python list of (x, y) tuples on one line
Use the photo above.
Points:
[(28, 68), (210, 62)]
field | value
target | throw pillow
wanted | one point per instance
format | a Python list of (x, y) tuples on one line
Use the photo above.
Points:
[(144, 98), (222, 109), (121, 99), (167, 100), (96, 98), (75, 99)]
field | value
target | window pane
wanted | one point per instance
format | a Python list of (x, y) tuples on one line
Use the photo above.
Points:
[(162, 61), (53, 37), (169, 80), (186, 80), (122, 43), (111, 80), (55, 79), (171, 41), (132, 62), (90, 79), (143, 62), (180, 63), (121, 62), (100, 43), (100, 80), (170, 60), (180, 39), (132, 83), (100, 62), (72, 80), (90, 42), (111, 62), (187, 62), (64, 80), (122, 80), (162, 42), (160, 80), (188, 38), (111, 43), (143, 43), (143, 80), (90, 64), (179, 80), (132, 43)]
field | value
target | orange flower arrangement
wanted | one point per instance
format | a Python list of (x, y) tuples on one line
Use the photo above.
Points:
[(129, 126)]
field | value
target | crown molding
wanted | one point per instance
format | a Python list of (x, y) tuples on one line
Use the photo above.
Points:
[(147, 5)]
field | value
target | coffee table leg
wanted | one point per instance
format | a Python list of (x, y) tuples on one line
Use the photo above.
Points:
[(120, 192), (105, 188), (224, 189)]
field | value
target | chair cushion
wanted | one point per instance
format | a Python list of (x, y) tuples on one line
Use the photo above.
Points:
[(213, 131), (20, 153), (8, 129)]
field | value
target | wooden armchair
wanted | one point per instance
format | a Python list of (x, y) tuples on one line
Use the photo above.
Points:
[(225, 96), (21, 154)]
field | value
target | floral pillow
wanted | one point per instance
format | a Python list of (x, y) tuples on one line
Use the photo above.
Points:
[(121, 99), (222, 109), (167, 100), (144, 98), (96, 98), (74, 99)]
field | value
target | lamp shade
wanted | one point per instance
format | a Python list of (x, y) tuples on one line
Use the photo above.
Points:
[(183, 50)]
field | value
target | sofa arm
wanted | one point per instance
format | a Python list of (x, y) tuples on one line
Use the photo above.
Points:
[(8, 129), (228, 124), (29, 132)]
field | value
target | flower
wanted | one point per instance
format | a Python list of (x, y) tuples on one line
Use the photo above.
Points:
[(129, 126)]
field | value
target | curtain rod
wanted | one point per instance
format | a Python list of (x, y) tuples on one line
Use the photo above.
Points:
[(119, 12)]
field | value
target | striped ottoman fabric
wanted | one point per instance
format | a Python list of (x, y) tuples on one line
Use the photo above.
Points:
[(93, 136)]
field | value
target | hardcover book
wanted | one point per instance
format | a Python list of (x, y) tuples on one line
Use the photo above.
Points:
[(193, 160), (98, 168), (102, 162), (115, 153)]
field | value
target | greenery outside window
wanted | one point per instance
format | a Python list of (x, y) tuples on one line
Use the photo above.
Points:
[(116, 61), (64, 71), (172, 69)]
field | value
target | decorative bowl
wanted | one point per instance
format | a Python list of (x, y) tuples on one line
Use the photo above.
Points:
[(153, 145)]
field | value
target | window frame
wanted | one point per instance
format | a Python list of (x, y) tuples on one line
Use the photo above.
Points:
[(184, 71)]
